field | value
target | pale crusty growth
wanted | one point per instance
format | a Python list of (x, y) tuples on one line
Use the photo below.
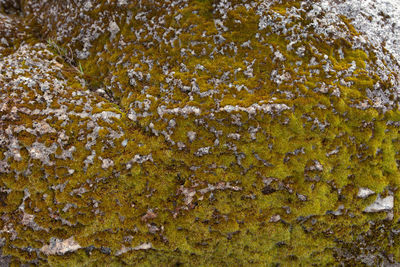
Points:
[(198, 132)]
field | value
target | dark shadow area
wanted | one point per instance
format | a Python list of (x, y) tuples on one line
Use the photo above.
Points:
[(10, 6)]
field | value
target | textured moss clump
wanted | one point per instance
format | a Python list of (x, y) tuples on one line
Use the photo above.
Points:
[(195, 133)]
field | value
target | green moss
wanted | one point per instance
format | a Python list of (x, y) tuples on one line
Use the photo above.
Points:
[(223, 226)]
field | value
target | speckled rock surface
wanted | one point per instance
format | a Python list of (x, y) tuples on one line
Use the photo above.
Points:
[(199, 133)]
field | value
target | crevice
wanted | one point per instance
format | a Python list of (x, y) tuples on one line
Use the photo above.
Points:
[(68, 57), (11, 7)]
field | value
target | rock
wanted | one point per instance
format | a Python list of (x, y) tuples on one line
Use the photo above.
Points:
[(144, 246), (364, 192), (381, 204), (113, 29), (337, 212), (60, 247), (275, 218)]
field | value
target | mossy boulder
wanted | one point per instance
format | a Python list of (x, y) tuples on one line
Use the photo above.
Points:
[(196, 133)]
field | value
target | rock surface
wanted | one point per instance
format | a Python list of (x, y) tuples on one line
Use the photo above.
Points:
[(60, 247), (381, 204), (364, 192), (199, 132)]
